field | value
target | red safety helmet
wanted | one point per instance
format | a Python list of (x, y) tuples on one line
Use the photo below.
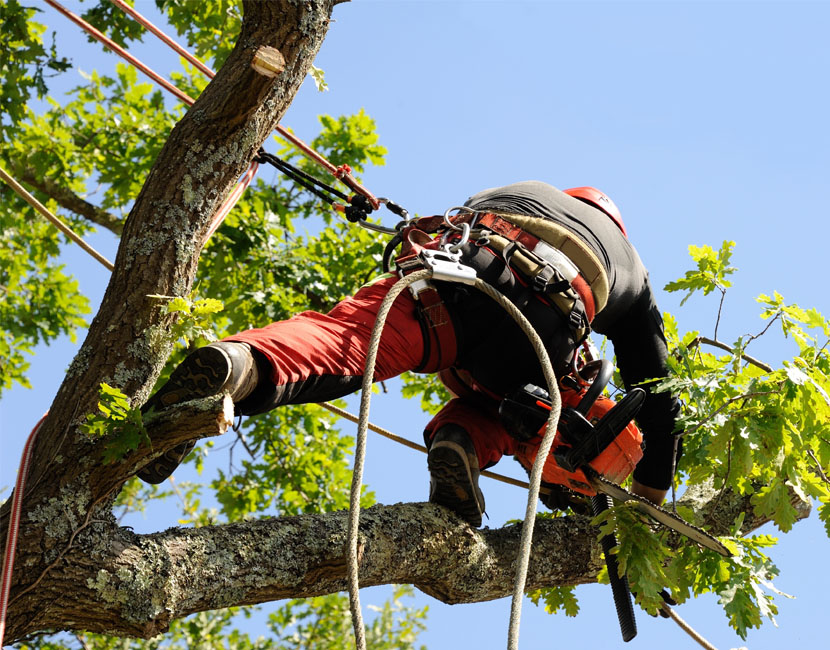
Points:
[(592, 196)]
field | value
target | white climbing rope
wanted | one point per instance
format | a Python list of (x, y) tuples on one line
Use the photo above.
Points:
[(360, 452), (360, 455)]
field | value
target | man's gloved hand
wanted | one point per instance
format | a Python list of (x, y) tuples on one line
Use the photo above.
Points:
[(557, 497)]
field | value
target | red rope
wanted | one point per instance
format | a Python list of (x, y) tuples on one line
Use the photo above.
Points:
[(164, 37), (112, 45), (14, 526), (233, 197), (343, 173)]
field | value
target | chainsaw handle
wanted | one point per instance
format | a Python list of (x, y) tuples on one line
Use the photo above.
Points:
[(603, 376)]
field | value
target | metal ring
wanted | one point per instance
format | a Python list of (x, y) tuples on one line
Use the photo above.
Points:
[(377, 228), (460, 208), (465, 237)]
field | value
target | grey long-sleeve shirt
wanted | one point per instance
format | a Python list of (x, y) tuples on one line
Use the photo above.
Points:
[(630, 319)]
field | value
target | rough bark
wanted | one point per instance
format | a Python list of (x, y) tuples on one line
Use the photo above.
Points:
[(117, 582), (127, 342)]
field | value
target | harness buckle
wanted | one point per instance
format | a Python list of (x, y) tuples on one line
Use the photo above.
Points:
[(446, 265)]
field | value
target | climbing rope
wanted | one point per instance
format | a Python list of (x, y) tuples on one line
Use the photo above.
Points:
[(60, 225), (360, 454), (231, 200), (688, 629), (508, 480), (14, 526)]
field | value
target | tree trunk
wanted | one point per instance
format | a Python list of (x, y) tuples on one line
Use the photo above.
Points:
[(127, 342)]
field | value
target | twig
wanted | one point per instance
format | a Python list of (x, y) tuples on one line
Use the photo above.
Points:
[(818, 466), (727, 348), (820, 350), (725, 485), (720, 309), (764, 331), (188, 511), (244, 442)]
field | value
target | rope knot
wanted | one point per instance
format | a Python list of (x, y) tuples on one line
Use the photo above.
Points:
[(342, 171), (358, 209)]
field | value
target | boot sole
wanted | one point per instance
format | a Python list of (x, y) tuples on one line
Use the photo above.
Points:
[(199, 375), (452, 484)]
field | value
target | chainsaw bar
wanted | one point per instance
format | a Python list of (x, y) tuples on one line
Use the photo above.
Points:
[(657, 513)]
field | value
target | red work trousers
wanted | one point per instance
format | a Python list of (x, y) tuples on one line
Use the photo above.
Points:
[(315, 357)]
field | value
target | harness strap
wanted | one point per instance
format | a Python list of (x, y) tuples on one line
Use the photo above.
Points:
[(550, 257), (569, 244), (439, 327), (440, 347)]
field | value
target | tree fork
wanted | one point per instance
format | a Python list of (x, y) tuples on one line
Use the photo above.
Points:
[(127, 342)]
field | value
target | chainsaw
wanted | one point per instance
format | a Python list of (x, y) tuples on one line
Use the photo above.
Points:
[(595, 448)]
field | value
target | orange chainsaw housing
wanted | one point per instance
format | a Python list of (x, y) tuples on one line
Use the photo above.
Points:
[(615, 462)]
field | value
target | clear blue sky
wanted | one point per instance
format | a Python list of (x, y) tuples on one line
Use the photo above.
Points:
[(704, 121)]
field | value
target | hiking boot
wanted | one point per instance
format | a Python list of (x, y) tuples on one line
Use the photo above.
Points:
[(454, 471), (223, 367)]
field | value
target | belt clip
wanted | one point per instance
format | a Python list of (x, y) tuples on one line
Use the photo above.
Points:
[(446, 265), (577, 318), (542, 279)]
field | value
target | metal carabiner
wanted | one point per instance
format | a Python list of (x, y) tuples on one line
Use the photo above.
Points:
[(395, 209), (459, 208), (454, 248)]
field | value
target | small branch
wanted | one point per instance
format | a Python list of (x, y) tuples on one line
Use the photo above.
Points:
[(241, 438), (720, 310), (68, 199), (723, 346), (198, 418), (727, 403), (818, 466)]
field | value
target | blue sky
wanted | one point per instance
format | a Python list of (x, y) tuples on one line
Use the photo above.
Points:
[(704, 121)]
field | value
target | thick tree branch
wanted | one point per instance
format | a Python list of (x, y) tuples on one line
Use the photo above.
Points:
[(134, 585)]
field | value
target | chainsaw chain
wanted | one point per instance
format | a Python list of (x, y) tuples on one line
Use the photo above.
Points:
[(659, 514)]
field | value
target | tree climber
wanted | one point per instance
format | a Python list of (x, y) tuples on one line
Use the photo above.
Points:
[(562, 257)]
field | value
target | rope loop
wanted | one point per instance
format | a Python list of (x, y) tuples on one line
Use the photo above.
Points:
[(457, 209)]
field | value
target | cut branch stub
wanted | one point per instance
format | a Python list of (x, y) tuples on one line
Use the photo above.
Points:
[(268, 61), (198, 418)]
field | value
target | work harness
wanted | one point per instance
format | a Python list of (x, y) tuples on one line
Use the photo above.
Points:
[(547, 260)]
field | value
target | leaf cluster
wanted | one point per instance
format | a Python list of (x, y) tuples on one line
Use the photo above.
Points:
[(117, 423), (748, 429)]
